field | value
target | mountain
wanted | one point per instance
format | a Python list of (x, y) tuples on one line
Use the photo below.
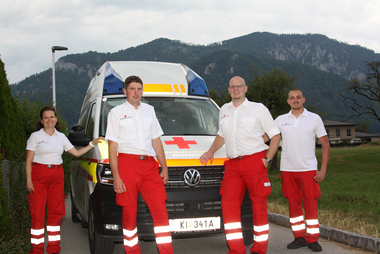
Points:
[(323, 67)]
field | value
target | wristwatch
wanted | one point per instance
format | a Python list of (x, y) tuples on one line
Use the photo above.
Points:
[(268, 160)]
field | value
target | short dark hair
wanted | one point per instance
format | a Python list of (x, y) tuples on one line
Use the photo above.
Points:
[(48, 108), (294, 90), (131, 79)]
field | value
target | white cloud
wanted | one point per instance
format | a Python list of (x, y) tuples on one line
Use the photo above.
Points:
[(30, 28)]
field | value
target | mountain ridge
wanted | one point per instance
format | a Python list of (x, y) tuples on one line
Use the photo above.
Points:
[(323, 65)]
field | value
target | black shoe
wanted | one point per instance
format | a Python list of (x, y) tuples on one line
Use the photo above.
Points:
[(255, 253), (297, 243), (315, 246)]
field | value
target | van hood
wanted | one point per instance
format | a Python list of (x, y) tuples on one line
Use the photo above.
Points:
[(187, 150)]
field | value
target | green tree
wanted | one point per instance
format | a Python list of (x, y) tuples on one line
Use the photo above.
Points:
[(30, 114), (364, 126), (367, 89), (11, 131), (13, 214), (271, 88), (221, 97)]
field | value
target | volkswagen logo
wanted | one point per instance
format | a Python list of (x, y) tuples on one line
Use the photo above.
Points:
[(192, 177)]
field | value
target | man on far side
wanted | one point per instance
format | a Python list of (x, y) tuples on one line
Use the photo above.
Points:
[(299, 169)]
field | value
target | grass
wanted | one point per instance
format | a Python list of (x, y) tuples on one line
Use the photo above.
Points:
[(350, 191)]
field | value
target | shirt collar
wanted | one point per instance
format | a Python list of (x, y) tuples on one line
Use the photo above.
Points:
[(44, 133), (245, 103), (304, 113), (131, 106)]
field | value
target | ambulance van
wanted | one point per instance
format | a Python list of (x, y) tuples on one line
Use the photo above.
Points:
[(189, 119)]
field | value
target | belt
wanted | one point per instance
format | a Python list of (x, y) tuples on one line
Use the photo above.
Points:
[(246, 156), (137, 157), (47, 165), (241, 157)]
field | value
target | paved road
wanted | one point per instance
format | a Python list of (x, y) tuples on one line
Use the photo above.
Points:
[(74, 241)]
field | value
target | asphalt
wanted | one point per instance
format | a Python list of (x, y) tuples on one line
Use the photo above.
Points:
[(336, 241), (364, 242)]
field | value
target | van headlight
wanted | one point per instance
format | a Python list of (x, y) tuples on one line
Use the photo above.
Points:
[(104, 174)]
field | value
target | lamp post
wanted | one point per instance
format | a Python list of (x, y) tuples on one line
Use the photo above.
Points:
[(53, 49)]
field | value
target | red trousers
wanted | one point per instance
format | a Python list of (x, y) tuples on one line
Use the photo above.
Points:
[(48, 192), (300, 187), (143, 176), (240, 174)]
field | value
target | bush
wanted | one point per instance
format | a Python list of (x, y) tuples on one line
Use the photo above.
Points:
[(15, 220)]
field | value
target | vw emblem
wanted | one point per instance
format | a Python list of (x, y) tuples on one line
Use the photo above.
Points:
[(192, 177)]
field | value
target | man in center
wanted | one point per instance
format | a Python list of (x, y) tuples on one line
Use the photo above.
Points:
[(133, 134), (242, 124)]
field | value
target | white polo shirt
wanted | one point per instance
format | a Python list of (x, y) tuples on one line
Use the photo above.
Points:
[(298, 140), (243, 128), (48, 149), (133, 129)]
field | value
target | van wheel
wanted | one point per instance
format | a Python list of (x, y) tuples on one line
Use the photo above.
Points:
[(248, 238), (98, 243), (74, 211)]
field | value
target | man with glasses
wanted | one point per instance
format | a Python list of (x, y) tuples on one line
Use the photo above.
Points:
[(242, 124)]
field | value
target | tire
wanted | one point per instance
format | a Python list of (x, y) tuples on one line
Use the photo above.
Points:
[(74, 211), (248, 238), (98, 244)]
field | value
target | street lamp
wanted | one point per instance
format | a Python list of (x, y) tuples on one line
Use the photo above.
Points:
[(53, 49)]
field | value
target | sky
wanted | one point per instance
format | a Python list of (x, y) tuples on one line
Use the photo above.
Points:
[(28, 29)]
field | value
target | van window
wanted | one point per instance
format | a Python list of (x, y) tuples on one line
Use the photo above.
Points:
[(90, 123), (87, 121), (83, 119), (177, 116)]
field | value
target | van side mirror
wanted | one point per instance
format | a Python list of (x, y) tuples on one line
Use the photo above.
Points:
[(77, 136)]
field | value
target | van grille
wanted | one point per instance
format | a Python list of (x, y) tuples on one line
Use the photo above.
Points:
[(183, 210), (210, 177)]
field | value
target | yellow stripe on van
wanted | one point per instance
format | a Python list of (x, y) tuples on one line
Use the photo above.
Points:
[(183, 90), (192, 162), (158, 88), (92, 172), (176, 88), (164, 88)]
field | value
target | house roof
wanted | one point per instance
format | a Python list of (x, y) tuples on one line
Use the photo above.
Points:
[(337, 123)]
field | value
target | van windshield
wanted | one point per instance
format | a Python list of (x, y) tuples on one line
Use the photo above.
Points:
[(177, 116)]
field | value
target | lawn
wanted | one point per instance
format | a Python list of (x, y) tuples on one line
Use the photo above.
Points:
[(350, 191)]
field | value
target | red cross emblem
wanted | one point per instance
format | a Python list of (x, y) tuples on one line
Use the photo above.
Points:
[(181, 143)]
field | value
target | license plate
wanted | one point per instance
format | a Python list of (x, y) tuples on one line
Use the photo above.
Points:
[(194, 224)]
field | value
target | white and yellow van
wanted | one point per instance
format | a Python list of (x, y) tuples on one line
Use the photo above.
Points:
[(189, 119)]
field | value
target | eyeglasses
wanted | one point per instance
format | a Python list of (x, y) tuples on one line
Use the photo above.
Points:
[(236, 86)]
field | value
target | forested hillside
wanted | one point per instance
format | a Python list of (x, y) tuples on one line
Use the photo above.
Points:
[(321, 64)]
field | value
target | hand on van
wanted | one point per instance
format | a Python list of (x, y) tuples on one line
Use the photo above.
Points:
[(98, 140), (209, 155), (206, 157)]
